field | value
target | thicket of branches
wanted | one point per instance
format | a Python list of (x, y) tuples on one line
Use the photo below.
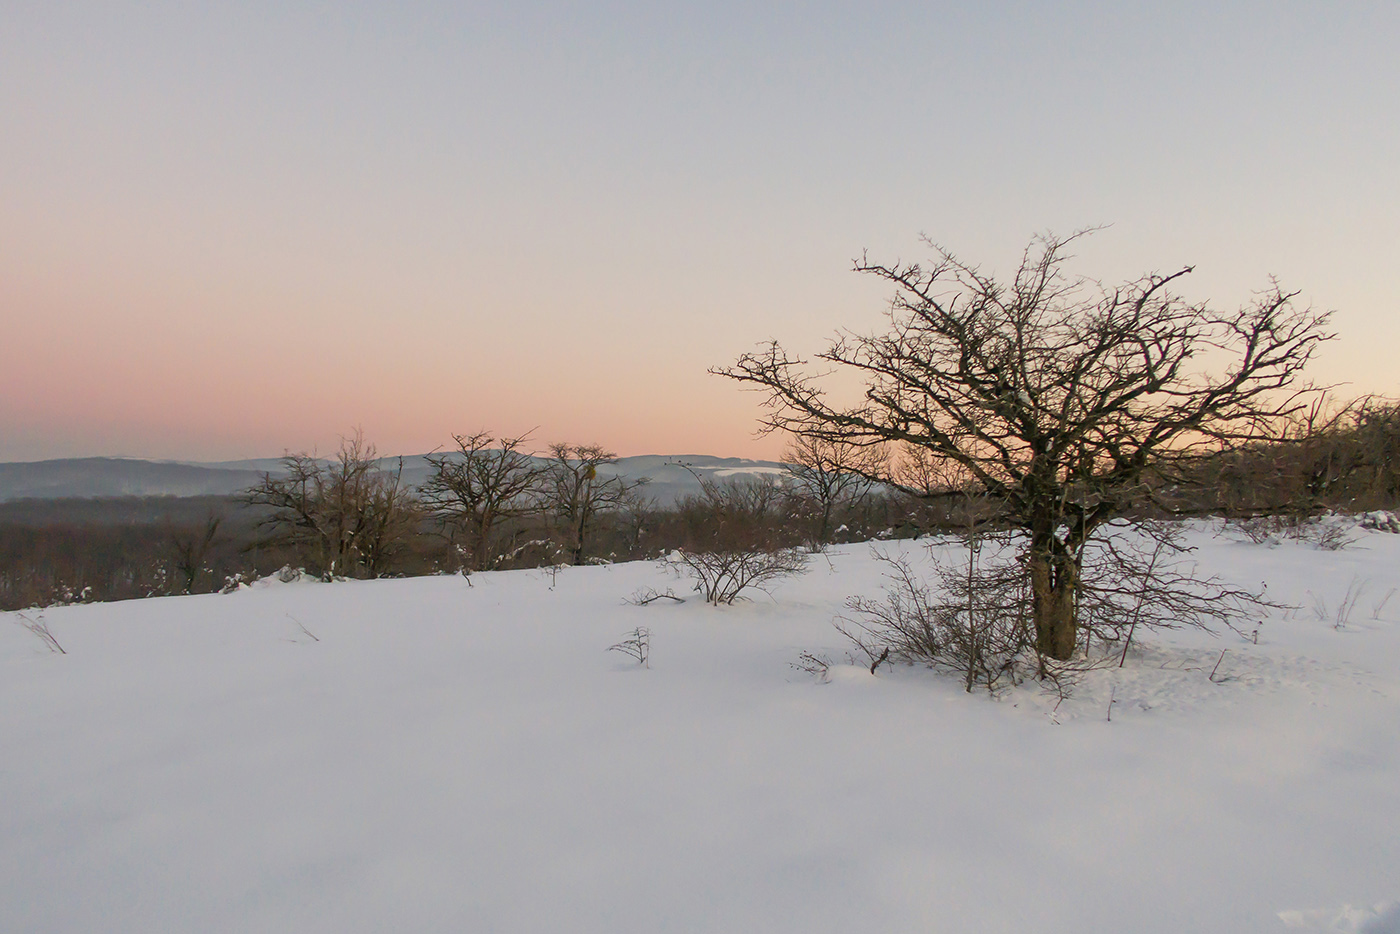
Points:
[(738, 535), (973, 613), (348, 517), (1343, 457)]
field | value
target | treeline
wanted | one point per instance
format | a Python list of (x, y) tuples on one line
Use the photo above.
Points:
[(493, 504), (1346, 459), (488, 504), (78, 550)]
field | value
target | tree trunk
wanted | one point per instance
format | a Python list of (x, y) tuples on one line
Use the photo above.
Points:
[(1054, 583), (580, 531), (481, 542), (823, 532)]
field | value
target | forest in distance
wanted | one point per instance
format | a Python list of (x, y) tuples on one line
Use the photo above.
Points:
[(55, 551)]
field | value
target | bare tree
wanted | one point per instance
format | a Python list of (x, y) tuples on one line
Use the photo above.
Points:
[(190, 549), (485, 482), (576, 494), (635, 519), (344, 517), (825, 474), (1060, 397)]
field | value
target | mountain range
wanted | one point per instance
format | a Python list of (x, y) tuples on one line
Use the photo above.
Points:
[(93, 477)]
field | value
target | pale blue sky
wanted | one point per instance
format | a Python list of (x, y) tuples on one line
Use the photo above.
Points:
[(229, 231)]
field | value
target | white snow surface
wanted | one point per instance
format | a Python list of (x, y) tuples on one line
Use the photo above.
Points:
[(428, 755)]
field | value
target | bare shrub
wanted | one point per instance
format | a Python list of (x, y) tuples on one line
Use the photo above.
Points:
[(40, 628), (1346, 607), (1380, 604), (1145, 578), (722, 574), (1322, 532), (1260, 530), (819, 666), (973, 623), (736, 538), (1328, 536)]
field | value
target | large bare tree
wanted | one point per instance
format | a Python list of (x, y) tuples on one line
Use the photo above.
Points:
[(824, 475), (577, 494), (485, 482), (345, 517), (1058, 397)]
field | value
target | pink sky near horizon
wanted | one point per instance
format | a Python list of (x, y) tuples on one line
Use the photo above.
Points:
[(233, 233)]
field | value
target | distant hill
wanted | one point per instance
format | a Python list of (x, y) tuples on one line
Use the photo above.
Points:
[(91, 477), (98, 477)]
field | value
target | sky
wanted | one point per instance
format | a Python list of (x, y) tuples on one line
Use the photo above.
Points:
[(236, 230)]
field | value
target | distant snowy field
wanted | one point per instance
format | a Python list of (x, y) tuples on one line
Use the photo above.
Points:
[(472, 759)]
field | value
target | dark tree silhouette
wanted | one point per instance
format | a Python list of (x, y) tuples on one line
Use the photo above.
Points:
[(1058, 397)]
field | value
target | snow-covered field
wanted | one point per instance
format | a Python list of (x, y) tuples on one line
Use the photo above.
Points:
[(424, 755)]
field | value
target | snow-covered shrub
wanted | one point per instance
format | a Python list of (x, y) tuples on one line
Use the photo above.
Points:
[(238, 581), (1380, 521), (1328, 532)]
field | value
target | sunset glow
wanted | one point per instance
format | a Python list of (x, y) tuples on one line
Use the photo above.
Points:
[(232, 231)]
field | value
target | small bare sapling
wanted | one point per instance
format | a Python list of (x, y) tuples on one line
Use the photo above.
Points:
[(637, 645)]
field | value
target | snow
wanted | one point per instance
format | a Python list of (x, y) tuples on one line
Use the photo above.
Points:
[(434, 755), (753, 471)]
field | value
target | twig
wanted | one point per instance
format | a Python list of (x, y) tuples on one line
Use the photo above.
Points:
[(303, 628), (1141, 600), (643, 597), (1217, 665), (41, 629), (1354, 591), (817, 665), (1376, 610), (1112, 693)]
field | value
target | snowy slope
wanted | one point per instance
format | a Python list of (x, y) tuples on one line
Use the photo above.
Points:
[(470, 758)]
